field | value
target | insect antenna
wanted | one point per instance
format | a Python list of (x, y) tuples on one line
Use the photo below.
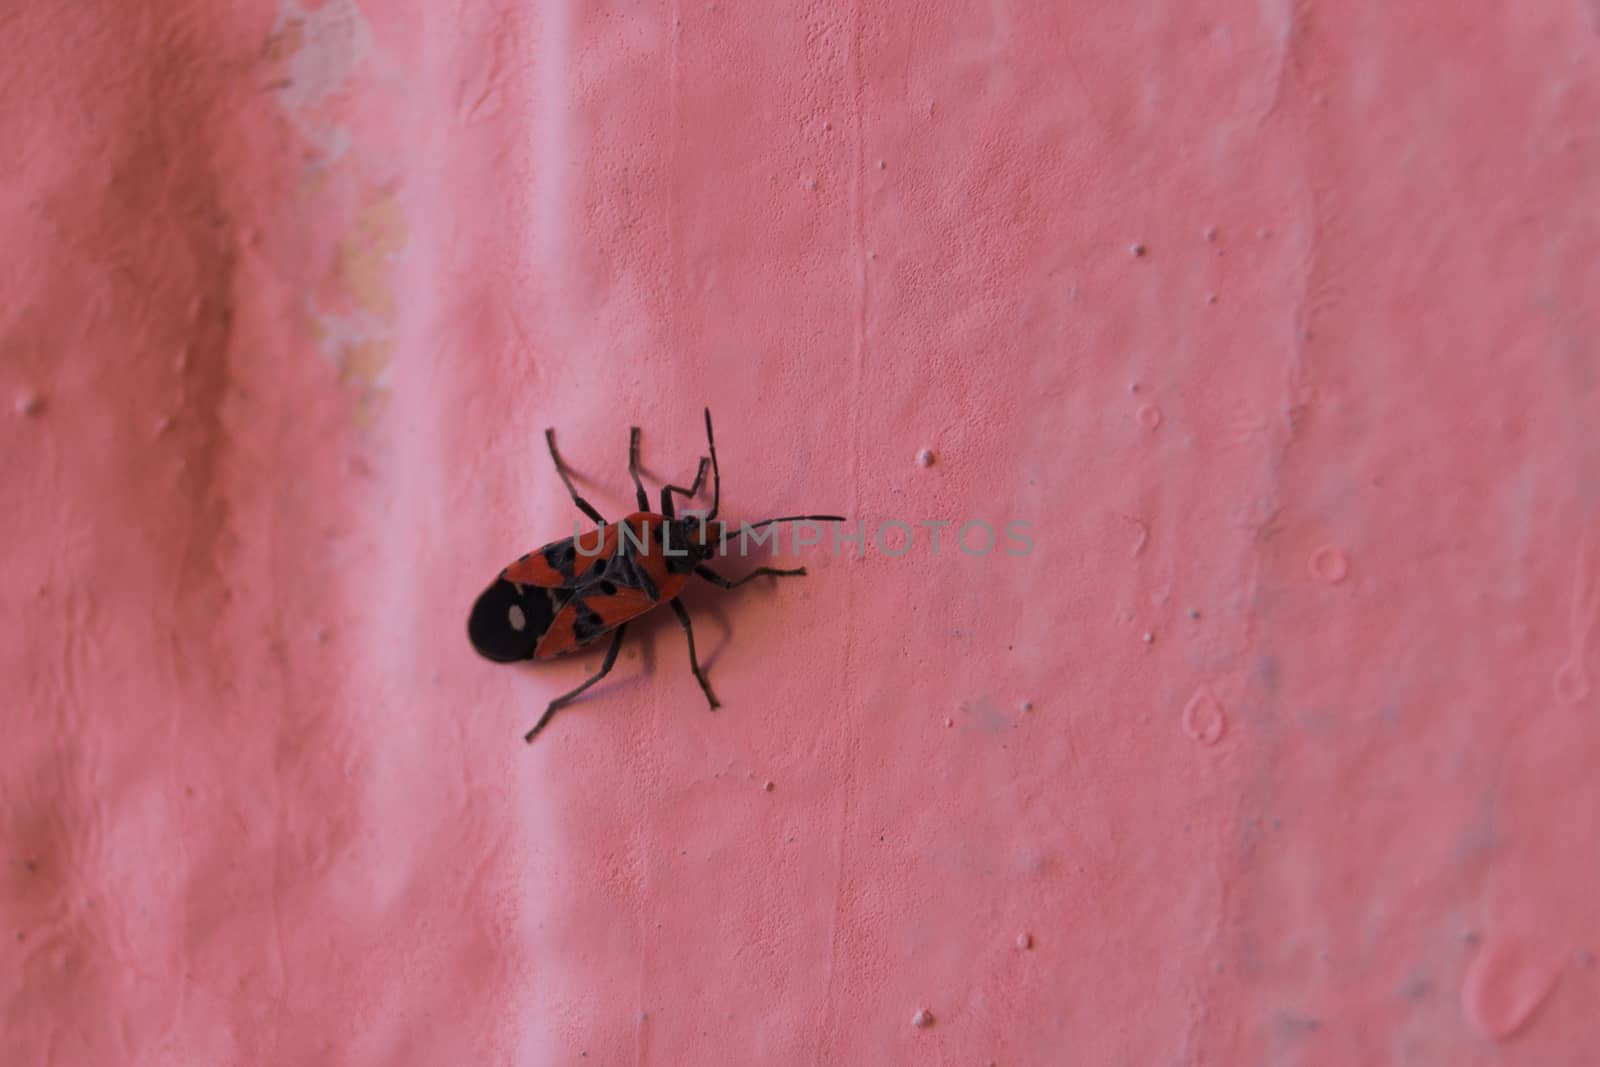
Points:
[(797, 518), (716, 472), (716, 490)]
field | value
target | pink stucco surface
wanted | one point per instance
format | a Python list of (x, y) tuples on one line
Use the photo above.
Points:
[(1276, 321)]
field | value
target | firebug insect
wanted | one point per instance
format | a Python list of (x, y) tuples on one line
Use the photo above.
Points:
[(562, 597)]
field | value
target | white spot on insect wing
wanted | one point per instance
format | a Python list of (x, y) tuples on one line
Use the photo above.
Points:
[(519, 621)]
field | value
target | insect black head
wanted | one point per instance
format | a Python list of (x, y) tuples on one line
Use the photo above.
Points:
[(508, 620)]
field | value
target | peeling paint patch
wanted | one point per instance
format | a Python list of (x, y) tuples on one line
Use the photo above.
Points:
[(318, 52), (365, 367), (365, 253)]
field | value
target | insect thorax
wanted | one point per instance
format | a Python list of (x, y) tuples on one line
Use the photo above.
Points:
[(682, 543)]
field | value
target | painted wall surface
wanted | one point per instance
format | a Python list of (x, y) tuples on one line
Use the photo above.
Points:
[(1276, 321)]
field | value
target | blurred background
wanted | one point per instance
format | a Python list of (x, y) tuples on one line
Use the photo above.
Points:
[(1274, 322)]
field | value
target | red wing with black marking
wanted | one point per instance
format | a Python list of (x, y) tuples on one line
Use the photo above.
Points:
[(561, 564), (601, 582), (588, 614)]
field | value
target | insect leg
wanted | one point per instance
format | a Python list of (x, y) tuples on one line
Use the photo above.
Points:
[(668, 490), (567, 698), (633, 468), (561, 469), (718, 580), (694, 662)]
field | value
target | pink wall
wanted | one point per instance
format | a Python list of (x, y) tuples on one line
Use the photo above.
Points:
[(1310, 634)]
